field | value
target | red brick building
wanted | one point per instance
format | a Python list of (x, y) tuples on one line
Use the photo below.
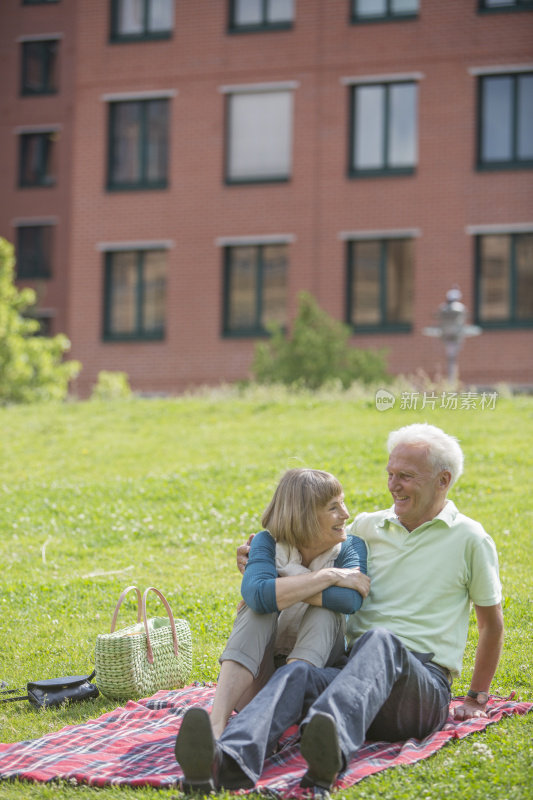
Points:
[(174, 172)]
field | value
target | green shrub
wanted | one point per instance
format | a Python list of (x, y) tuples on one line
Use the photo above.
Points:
[(317, 351), (31, 367), (111, 386)]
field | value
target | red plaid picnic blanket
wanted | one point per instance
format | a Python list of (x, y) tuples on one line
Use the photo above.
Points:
[(134, 746)]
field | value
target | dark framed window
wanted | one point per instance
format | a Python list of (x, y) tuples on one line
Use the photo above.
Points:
[(506, 121), (39, 67), (46, 322), (255, 288), (504, 280), (247, 16), (259, 136), (376, 10), (34, 251), (134, 295), (37, 154), (380, 284), (138, 144), (505, 5), (383, 138), (137, 20)]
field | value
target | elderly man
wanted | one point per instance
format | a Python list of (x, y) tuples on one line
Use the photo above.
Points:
[(428, 563)]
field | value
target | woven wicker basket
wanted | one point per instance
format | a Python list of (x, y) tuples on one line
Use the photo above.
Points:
[(141, 659)]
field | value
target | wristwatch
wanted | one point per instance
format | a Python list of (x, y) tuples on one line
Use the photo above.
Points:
[(479, 697)]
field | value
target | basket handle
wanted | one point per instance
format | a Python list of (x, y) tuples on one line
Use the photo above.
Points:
[(120, 599), (163, 599)]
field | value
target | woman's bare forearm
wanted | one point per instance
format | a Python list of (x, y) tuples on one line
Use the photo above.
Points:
[(308, 588)]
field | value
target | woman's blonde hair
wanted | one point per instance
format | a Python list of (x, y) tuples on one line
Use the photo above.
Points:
[(291, 515)]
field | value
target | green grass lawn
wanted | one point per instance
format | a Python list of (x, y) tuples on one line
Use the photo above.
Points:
[(96, 496)]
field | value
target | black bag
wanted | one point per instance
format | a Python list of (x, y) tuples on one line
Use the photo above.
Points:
[(55, 691)]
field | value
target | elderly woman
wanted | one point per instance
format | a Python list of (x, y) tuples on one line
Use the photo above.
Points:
[(304, 575)]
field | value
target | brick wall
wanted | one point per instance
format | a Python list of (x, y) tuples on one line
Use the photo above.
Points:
[(316, 206)]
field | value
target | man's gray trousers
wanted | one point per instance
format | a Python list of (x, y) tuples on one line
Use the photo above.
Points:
[(384, 692)]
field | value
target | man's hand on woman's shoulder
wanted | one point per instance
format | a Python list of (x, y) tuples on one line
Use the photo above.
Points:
[(242, 554)]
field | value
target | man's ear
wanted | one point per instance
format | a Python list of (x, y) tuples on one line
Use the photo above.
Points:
[(445, 479)]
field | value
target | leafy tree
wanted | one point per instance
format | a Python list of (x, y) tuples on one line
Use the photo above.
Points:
[(317, 351), (31, 367)]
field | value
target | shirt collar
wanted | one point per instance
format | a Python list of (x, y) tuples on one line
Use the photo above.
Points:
[(447, 515)]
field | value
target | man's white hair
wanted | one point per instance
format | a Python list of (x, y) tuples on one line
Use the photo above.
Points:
[(444, 451)]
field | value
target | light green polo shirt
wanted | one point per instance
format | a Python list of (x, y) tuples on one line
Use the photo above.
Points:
[(424, 581)]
